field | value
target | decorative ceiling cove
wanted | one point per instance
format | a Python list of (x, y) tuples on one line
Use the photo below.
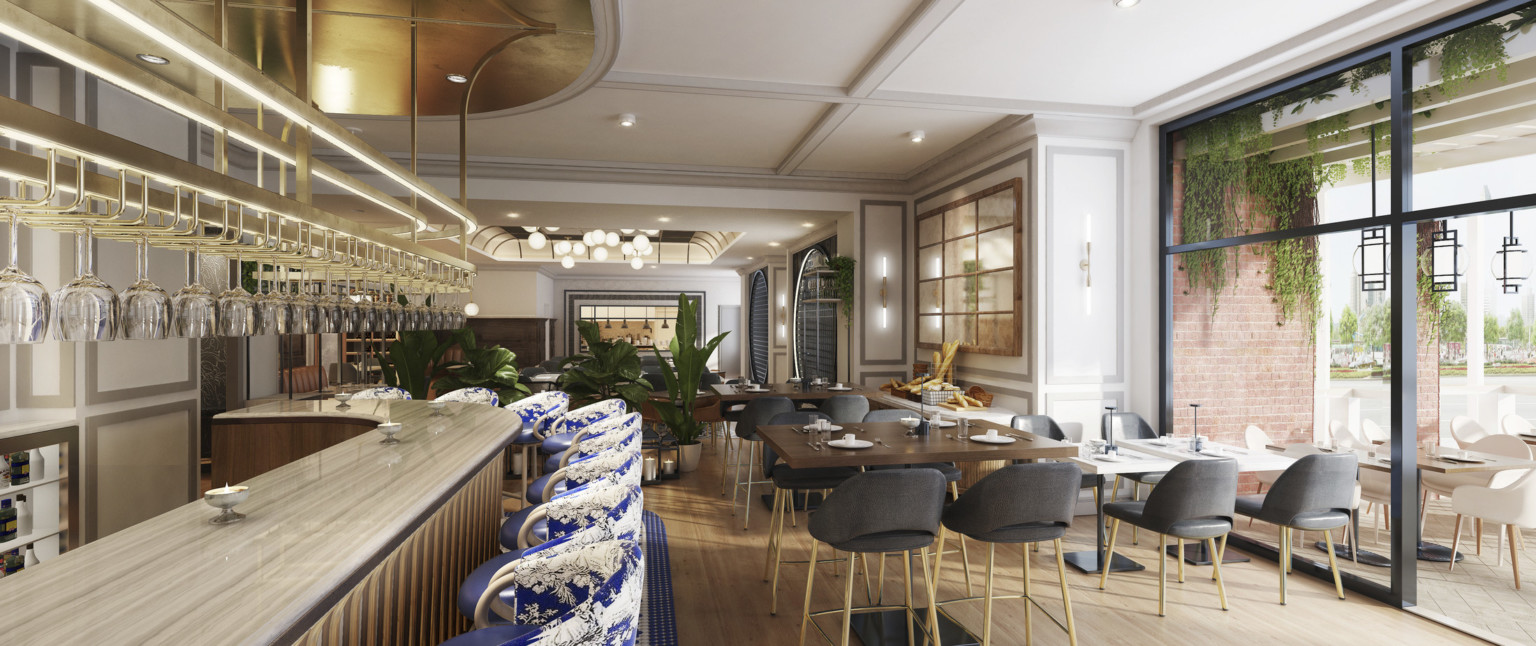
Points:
[(671, 247), (533, 49)]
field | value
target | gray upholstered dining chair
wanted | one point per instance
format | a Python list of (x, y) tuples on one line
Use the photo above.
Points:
[(1020, 504), (657, 382), (1131, 426), (1044, 426), (787, 483), (877, 512), (1195, 501), (952, 476), (1314, 494), (845, 408), (764, 409)]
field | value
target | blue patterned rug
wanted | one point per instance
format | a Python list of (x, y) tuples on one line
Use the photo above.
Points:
[(658, 622)]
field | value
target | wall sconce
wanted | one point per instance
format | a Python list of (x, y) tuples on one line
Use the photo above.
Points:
[(783, 317), (1371, 259), (1512, 262), (1444, 261), (884, 286), (1087, 264)]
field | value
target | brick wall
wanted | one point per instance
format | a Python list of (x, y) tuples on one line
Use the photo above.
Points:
[(1243, 367)]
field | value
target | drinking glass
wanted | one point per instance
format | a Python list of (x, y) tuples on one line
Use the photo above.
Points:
[(370, 310), (146, 307), (196, 309), (396, 312), (87, 306), (271, 308), (303, 308), (23, 302), (237, 308), (332, 310)]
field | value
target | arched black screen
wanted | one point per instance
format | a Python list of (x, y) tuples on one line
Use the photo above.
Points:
[(757, 327)]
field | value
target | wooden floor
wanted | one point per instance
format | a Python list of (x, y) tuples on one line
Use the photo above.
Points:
[(721, 598)]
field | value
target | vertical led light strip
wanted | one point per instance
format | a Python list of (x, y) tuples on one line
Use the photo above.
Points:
[(884, 310), (1088, 265), (234, 80), (783, 313)]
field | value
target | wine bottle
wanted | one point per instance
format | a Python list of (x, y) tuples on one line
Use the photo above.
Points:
[(7, 521), (21, 468)]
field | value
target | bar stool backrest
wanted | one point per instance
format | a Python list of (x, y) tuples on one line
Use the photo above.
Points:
[(875, 502), (1020, 497), (1127, 426), (889, 415), (846, 408), (586, 415), (1192, 489), (614, 510), (381, 392), (540, 410), (573, 591), (1041, 425), (471, 395), (1321, 482), (759, 411)]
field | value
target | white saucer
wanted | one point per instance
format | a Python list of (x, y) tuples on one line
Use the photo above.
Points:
[(1001, 439), (843, 389), (857, 444), (1109, 457), (944, 424), (813, 429), (1161, 442), (755, 390)]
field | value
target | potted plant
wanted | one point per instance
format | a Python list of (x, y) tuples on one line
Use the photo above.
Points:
[(413, 361), (683, 377), (494, 367), (608, 369)]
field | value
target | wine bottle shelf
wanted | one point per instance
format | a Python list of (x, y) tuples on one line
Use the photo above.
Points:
[(7, 492)]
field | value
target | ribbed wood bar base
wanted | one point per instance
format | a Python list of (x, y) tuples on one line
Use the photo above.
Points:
[(410, 597)]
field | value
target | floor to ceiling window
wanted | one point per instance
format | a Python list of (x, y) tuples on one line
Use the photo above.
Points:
[(1283, 285)]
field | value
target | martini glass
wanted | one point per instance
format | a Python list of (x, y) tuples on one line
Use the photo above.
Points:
[(87, 305), (23, 302)]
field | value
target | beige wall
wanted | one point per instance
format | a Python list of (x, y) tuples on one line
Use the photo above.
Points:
[(501, 292)]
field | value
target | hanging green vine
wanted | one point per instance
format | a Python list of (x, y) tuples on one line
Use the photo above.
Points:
[(1468, 54)]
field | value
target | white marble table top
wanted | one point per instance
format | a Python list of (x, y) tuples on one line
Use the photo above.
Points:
[(310, 526), (1142, 456)]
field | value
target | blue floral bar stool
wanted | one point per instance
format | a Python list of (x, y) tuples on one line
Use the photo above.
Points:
[(471, 395), (538, 413), (565, 428), (569, 594), (381, 392)]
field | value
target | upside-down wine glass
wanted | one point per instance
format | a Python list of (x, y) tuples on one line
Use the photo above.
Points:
[(146, 307), (271, 307), (196, 309), (23, 301), (87, 306), (237, 308), (303, 306)]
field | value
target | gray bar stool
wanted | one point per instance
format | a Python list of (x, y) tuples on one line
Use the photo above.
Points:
[(877, 512), (1315, 494), (758, 411), (845, 408), (787, 482), (952, 476), (1194, 501), (1021, 504)]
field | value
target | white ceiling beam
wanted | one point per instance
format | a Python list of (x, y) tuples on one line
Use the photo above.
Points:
[(833, 117)]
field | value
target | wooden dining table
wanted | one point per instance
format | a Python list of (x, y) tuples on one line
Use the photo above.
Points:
[(794, 445)]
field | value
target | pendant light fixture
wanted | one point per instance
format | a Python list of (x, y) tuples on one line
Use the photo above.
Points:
[(1444, 261), (1371, 254), (1512, 262)]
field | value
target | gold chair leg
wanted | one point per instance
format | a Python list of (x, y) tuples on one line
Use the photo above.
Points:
[(933, 609), (880, 587), (778, 554), (1066, 595), (933, 585), (1135, 496), (1456, 542), (810, 578), (986, 607), (965, 559), (1338, 584), (773, 517), (1109, 553), (1181, 559), (1029, 610), (848, 602), (1162, 576), (906, 566), (1221, 588), (1285, 558)]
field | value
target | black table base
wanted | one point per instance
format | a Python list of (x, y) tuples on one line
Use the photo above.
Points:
[(1344, 553), (889, 628), (1197, 554), (1437, 553), (1087, 561)]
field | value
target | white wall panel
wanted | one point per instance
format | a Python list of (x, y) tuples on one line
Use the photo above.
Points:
[(1083, 205)]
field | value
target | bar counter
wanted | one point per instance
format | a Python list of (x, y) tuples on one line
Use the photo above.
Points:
[(356, 543)]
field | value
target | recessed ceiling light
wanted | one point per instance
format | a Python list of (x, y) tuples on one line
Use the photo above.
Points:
[(514, 215), (749, 257), (807, 224), (530, 229), (627, 120), (663, 219), (773, 244), (1126, 4), (653, 267), (917, 136), (457, 78), (154, 60)]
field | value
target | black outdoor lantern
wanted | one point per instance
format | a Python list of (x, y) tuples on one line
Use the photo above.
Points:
[(1371, 259), (1512, 262), (1444, 261)]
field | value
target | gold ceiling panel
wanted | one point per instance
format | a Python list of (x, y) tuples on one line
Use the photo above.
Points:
[(362, 58)]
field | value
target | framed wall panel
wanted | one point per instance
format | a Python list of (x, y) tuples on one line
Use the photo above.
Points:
[(970, 282)]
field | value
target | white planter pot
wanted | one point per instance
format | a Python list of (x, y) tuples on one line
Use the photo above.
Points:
[(689, 456)]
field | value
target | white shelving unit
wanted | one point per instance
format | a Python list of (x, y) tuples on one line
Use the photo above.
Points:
[(50, 491)]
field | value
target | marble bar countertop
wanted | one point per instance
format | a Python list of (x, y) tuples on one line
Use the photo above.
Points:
[(373, 410), (313, 528)]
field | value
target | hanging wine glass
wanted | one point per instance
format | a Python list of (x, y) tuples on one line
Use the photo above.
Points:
[(332, 307), (303, 308), (87, 306), (237, 308), (351, 310), (146, 307), (389, 323), (271, 307), (23, 301), (196, 309)]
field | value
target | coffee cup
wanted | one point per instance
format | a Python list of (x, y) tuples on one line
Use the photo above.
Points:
[(991, 433), (839, 385), (823, 424), (848, 439)]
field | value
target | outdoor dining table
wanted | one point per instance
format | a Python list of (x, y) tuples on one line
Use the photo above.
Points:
[(892, 446), (1151, 456)]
